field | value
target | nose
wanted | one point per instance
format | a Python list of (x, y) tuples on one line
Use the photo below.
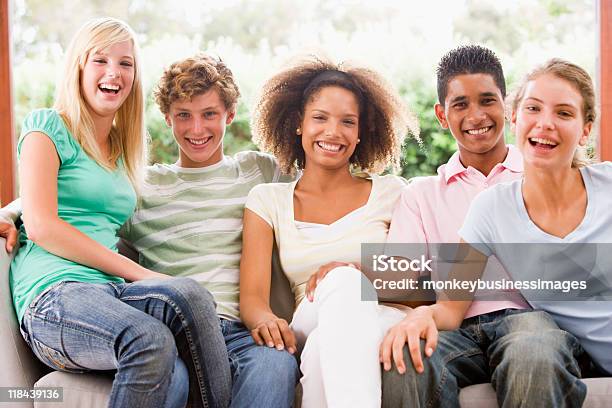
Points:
[(113, 71), (332, 129), (476, 115), (545, 119), (198, 126)]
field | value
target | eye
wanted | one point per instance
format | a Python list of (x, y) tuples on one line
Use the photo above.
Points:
[(210, 114), (183, 115), (319, 117), (99, 60), (349, 122), (532, 108), (127, 64), (459, 105), (565, 114), (488, 101)]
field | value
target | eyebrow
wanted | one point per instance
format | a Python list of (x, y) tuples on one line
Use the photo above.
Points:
[(327, 113), (463, 98), (558, 104), (208, 108), (103, 54)]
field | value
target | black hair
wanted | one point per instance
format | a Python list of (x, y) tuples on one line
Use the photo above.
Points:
[(469, 59)]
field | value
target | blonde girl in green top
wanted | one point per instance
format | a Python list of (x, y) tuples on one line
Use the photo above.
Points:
[(79, 164)]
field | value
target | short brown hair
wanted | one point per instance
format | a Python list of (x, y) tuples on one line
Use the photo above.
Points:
[(579, 79), (194, 76), (383, 124)]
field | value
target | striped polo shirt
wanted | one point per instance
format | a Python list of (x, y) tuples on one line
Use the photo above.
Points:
[(189, 221)]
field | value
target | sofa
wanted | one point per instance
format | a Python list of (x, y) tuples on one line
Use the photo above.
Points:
[(20, 368)]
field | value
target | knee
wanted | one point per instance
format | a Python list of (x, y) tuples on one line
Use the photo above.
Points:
[(404, 389), (188, 290), (542, 354), (274, 368), (341, 279), (152, 342)]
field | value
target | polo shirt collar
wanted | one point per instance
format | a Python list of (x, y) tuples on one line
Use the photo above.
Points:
[(512, 162)]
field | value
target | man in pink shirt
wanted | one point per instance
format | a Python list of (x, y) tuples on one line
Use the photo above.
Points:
[(502, 342)]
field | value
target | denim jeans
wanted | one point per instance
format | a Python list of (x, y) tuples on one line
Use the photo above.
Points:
[(263, 376), (529, 361), (152, 332)]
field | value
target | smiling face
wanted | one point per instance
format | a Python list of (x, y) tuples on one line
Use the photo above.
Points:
[(330, 127), (473, 111), (549, 122), (198, 126), (107, 78)]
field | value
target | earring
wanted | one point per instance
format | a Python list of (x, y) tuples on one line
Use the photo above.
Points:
[(358, 140), (298, 132)]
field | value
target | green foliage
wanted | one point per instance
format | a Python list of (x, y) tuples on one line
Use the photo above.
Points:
[(437, 143), (255, 36)]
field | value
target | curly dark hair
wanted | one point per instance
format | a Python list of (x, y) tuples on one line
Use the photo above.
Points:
[(194, 76), (384, 119), (469, 59)]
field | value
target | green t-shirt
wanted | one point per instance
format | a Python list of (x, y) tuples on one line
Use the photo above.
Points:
[(89, 197)]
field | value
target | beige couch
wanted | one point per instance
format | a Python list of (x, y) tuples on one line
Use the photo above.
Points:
[(19, 367)]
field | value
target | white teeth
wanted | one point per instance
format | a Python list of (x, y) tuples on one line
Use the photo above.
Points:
[(542, 141), (110, 87), (478, 131), (198, 141), (329, 146)]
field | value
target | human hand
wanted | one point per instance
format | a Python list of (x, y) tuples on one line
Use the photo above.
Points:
[(316, 277), (9, 232), (274, 332), (418, 324)]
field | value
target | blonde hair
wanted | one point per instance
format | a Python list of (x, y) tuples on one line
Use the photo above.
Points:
[(384, 123), (128, 134), (580, 80)]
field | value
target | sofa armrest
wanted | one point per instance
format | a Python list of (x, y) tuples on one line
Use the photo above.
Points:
[(20, 368)]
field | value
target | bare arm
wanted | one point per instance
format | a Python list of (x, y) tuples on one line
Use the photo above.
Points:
[(255, 277), (425, 321), (38, 170)]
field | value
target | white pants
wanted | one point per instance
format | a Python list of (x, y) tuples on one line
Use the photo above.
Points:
[(339, 335)]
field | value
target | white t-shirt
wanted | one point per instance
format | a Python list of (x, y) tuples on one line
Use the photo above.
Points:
[(302, 253)]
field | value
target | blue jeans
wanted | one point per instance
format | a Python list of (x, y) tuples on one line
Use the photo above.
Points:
[(263, 376), (529, 361), (162, 337)]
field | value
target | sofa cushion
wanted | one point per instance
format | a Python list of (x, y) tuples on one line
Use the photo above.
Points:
[(80, 390), (599, 395)]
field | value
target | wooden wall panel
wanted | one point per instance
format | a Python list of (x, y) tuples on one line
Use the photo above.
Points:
[(7, 140), (605, 78)]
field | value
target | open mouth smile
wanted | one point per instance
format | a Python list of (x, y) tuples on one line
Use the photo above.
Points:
[(109, 88), (542, 143), (330, 147), (199, 142)]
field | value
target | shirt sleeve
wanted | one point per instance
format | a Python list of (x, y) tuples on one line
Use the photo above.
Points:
[(50, 123), (477, 227), (406, 221), (259, 200)]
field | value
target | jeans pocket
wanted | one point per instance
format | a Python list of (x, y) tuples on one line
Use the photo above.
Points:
[(53, 358), (34, 303)]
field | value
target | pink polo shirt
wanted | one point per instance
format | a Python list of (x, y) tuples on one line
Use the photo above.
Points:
[(432, 209)]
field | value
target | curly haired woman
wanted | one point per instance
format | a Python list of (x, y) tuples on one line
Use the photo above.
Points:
[(325, 120)]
